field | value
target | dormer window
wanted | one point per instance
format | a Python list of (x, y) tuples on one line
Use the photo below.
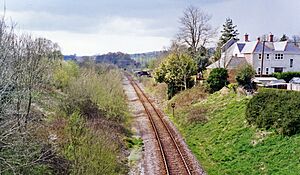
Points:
[(279, 56)]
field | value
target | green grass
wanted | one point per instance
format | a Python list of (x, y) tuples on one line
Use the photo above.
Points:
[(226, 144)]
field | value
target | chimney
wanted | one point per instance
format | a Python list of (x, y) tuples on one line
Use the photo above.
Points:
[(246, 37), (271, 37), (258, 39)]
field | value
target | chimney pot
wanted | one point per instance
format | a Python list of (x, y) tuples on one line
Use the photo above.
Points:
[(258, 39), (246, 37), (271, 37)]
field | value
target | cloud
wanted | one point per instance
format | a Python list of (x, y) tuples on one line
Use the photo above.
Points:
[(90, 44), (53, 22), (97, 25), (258, 17)]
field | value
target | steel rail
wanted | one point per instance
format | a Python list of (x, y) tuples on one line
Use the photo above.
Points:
[(163, 154), (136, 86)]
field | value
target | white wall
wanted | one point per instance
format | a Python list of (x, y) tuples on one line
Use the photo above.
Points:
[(294, 87), (272, 62)]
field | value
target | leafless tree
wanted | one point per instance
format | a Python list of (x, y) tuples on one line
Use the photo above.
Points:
[(195, 29), (296, 40), (25, 67)]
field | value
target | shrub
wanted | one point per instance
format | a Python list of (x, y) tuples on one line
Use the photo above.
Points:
[(90, 151), (94, 107), (64, 72), (104, 90), (244, 75), (277, 109), (287, 76), (217, 79), (233, 86)]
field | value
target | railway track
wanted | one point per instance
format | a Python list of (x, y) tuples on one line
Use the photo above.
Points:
[(173, 159)]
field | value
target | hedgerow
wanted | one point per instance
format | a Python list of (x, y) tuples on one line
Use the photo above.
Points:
[(275, 109), (287, 76)]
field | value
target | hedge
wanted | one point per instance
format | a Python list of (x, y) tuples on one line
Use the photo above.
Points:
[(277, 109), (217, 79), (287, 76)]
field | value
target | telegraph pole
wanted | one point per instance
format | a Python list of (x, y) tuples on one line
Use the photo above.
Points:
[(262, 59)]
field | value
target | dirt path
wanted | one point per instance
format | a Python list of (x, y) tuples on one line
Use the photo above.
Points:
[(149, 159)]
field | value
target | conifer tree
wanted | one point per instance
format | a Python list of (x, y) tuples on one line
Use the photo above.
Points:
[(229, 31), (284, 38)]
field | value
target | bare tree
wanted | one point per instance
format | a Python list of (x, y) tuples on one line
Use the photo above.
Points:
[(296, 40), (25, 67), (195, 30)]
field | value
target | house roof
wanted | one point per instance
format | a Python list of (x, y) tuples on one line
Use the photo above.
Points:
[(249, 47), (259, 47), (255, 47), (280, 46), (218, 64), (241, 46), (231, 63), (236, 62), (295, 80)]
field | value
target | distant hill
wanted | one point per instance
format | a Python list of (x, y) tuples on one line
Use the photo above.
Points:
[(120, 59), (144, 58)]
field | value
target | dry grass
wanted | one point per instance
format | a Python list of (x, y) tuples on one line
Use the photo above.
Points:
[(158, 90), (197, 115), (189, 97)]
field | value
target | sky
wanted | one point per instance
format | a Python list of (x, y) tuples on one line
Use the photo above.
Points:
[(89, 27)]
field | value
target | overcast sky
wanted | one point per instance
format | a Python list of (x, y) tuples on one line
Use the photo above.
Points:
[(88, 27)]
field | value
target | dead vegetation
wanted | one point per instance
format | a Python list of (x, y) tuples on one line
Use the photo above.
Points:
[(189, 97), (197, 115)]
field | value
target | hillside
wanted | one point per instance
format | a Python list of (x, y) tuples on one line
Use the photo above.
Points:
[(216, 131), (145, 58)]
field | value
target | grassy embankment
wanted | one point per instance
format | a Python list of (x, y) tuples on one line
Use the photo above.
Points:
[(88, 119), (215, 128)]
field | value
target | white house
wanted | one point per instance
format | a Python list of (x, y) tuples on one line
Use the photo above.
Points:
[(265, 56)]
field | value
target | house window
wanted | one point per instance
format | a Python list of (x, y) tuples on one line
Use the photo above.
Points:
[(268, 56), (291, 62), (258, 71), (278, 56), (278, 69), (267, 70), (259, 56)]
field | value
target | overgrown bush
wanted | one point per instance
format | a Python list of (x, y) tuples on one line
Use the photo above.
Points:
[(26, 64), (64, 73), (102, 89), (287, 76), (233, 86), (217, 79), (91, 152), (277, 109), (176, 71), (244, 75), (95, 110)]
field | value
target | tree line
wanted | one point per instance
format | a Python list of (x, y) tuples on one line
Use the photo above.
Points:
[(58, 117)]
